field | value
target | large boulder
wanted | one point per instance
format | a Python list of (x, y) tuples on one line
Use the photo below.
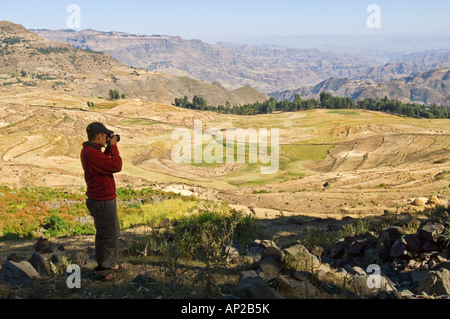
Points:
[(413, 243), (18, 273), (398, 249), (300, 258), (338, 248), (273, 252), (364, 285), (391, 234), (252, 286), (430, 231), (436, 282), (434, 200), (258, 248), (420, 201), (295, 289), (43, 245), (39, 263), (270, 266), (359, 246), (386, 238)]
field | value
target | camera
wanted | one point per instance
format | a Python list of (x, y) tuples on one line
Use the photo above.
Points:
[(111, 136)]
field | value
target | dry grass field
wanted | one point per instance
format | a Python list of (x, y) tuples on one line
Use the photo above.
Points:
[(331, 163)]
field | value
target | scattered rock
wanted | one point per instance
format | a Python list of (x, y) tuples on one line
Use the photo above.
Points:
[(39, 263), (251, 286), (368, 286), (337, 249), (434, 200), (356, 270), (413, 243), (232, 251), (141, 278), (303, 275), (358, 246), (18, 273), (418, 275), (5, 291), (420, 201), (14, 257), (43, 245), (371, 255), (301, 258), (392, 233), (399, 248), (255, 250), (295, 289), (270, 266), (430, 231), (429, 246), (317, 250), (273, 252), (436, 282)]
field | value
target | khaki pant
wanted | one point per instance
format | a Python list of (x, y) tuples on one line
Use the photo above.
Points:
[(108, 232)]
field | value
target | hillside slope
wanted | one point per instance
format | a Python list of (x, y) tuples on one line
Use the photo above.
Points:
[(268, 69), (27, 60), (432, 87)]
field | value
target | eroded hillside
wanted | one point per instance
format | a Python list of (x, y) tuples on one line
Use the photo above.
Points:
[(31, 62)]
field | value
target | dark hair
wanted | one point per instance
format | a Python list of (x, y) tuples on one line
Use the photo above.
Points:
[(92, 136)]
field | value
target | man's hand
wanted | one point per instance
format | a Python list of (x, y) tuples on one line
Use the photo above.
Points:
[(114, 140)]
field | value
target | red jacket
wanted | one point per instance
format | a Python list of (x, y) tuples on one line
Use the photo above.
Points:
[(99, 168)]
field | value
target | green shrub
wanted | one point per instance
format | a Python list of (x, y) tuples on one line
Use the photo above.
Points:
[(57, 226), (204, 236)]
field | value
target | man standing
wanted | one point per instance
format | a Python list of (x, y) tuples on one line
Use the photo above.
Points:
[(99, 168)]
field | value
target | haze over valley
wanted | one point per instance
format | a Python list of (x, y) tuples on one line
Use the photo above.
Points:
[(358, 73)]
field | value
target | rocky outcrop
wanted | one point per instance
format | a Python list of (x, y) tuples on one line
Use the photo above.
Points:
[(385, 264)]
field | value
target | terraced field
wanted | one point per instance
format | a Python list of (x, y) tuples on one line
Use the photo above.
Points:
[(331, 163)]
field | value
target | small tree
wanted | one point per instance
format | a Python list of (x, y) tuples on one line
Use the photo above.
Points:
[(114, 94), (199, 103)]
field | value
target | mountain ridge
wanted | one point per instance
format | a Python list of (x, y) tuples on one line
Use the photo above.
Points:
[(26, 59), (268, 69), (430, 87)]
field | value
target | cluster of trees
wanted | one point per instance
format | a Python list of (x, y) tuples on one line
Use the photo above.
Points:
[(49, 50), (269, 106), (198, 103), (410, 110), (326, 101), (115, 95), (386, 105), (11, 40)]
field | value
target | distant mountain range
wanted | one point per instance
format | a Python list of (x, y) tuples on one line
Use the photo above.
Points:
[(279, 71), (386, 45), (266, 70), (28, 60), (432, 87)]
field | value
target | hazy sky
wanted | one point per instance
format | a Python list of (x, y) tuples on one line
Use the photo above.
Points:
[(210, 18)]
